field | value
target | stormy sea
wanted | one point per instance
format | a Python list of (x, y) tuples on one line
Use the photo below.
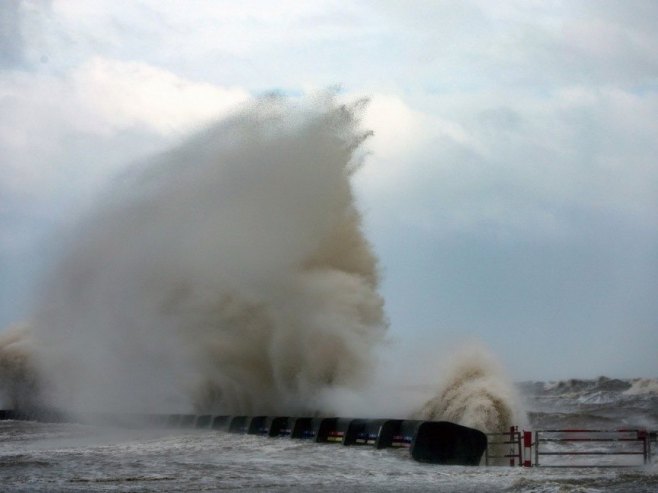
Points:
[(231, 275), (44, 457)]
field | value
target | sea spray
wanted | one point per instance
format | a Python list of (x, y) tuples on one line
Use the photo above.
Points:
[(19, 382), (475, 392), (230, 275)]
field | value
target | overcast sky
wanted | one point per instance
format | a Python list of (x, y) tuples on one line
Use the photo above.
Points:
[(511, 191)]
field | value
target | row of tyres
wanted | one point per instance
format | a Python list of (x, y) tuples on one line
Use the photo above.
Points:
[(437, 442)]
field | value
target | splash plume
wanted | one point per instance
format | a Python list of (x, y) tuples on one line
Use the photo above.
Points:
[(475, 392), (229, 275)]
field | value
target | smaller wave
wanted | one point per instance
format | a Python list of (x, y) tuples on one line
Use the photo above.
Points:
[(593, 403), (568, 420), (602, 390), (580, 386), (476, 393)]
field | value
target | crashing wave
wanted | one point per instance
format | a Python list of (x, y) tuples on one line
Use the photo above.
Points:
[(475, 393), (230, 274)]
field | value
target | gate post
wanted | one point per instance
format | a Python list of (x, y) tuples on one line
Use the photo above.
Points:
[(536, 448), (644, 436), (527, 448), (512, 431)]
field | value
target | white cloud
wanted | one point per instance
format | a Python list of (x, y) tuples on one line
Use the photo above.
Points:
[(123, 94), (97, 101), (523, 167)]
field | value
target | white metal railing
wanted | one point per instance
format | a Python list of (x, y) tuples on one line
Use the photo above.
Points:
[(572, 444), (546, 447)]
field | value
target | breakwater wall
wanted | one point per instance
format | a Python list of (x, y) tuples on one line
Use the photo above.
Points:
[(436, 442)]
